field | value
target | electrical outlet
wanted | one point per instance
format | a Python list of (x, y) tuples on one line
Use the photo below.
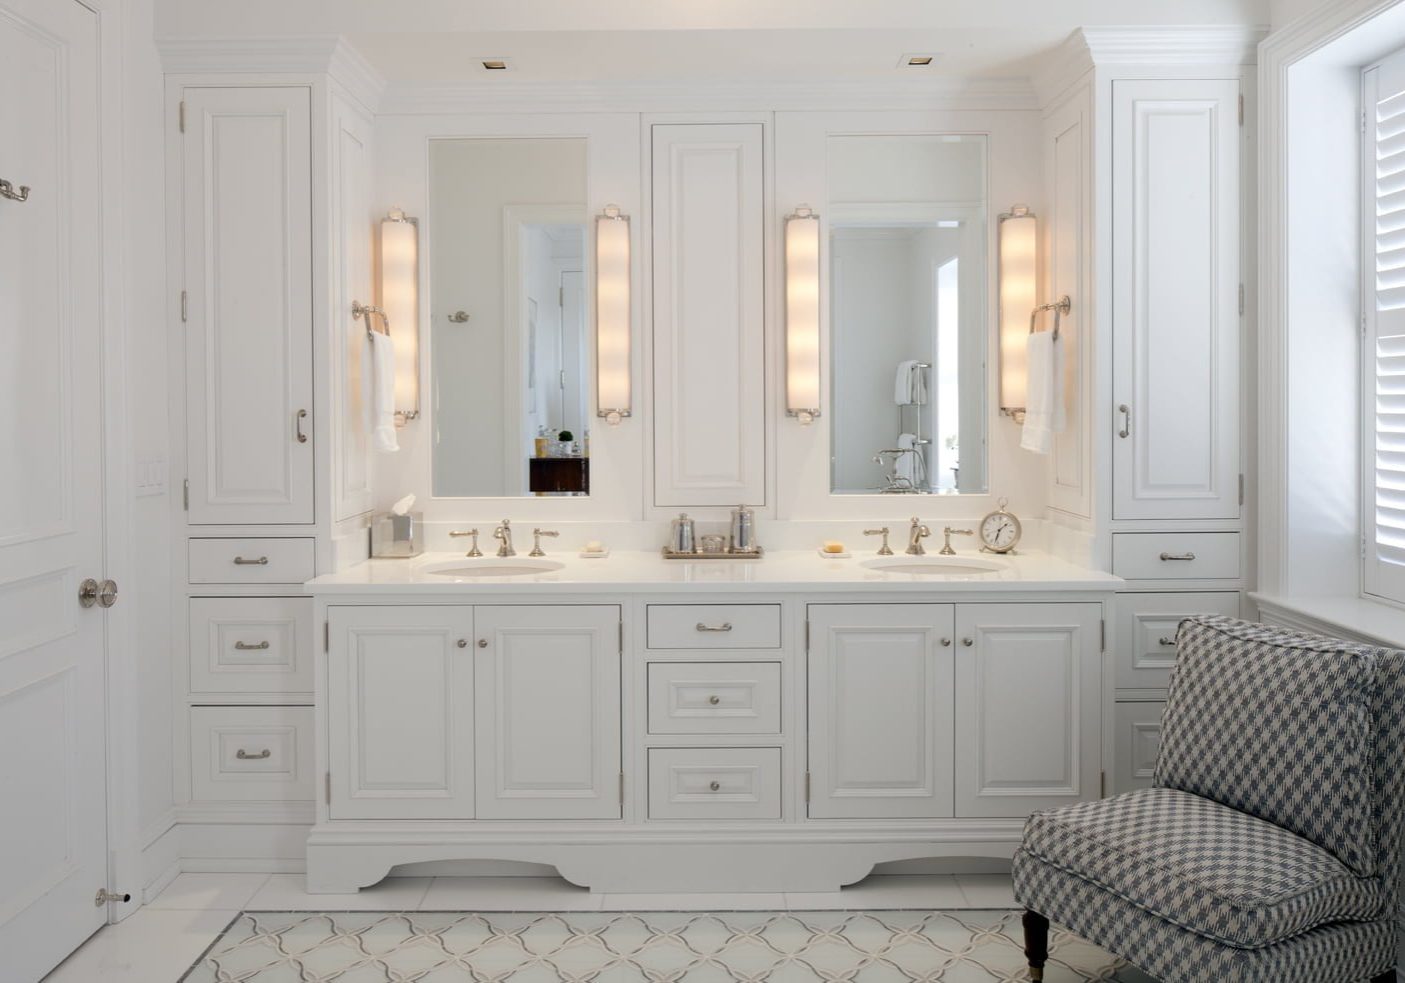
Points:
[(149, 477)]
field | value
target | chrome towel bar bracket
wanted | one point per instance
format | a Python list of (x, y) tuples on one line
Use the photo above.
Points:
[(1060, 307), (8, 190)]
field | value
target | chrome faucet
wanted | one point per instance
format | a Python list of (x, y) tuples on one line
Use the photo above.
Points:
[(537, 535), (948, 532), (503, 534), (885, 549), (915, 535)]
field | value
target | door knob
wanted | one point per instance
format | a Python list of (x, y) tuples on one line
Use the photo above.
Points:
[(88, 593), (107, 593), (946, 643), (482, 643), (714, 700), (463, 643), (968, 642), (715, 786)]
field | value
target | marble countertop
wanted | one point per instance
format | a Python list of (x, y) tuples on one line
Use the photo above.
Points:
[(648, 572)]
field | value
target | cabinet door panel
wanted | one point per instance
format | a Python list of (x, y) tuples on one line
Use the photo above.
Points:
[(1028, 703), (1176, 287), (247, 219), (400, 712), (548, 712), (880, 692), (709, 308), (1135, 745)]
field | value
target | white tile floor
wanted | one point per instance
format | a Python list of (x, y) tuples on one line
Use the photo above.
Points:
[(162, 940)]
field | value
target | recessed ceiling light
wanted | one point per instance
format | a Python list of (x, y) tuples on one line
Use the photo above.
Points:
[(917, 61), (495, 64)]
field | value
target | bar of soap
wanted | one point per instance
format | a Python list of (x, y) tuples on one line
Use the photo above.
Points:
[(595, 546), (833, 546)]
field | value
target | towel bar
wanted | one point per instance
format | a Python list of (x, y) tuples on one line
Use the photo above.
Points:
[(1060, 307)]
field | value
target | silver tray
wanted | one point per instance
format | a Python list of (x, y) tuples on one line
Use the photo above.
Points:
[(755, 554)]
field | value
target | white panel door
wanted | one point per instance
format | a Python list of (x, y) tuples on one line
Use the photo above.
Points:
[(400, 712), (709, 315), (881, 702), (247, 219), (1176, 281), (548, 712), (53, 843), (1028, 706)]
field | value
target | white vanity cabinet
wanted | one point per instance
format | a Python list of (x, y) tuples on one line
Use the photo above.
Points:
[(457, 712), (246, 162), (971, 710)]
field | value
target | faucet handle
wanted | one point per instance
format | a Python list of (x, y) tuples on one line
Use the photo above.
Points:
[(948, 532), (473, 551), (883, 550), (537, 535)]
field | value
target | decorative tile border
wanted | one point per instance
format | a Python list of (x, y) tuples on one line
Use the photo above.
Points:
[(638, 947)]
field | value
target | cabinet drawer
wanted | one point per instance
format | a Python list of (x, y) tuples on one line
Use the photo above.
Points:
[(714, 626), (251, 561), (1146, 632), (1176, 555), (1136, 741), (715, 783), (251, 753), (244, 645), (714, 697)]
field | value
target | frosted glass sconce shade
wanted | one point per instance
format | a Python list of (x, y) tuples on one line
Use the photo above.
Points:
[(400, 295), (612, 355), (1019, 271), (802, 315)]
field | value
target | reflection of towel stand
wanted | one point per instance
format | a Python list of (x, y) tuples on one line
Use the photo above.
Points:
[(360, 311), (922, 471), (1060, 307)]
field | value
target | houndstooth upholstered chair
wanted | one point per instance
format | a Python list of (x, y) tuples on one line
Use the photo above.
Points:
[(1269, 849)]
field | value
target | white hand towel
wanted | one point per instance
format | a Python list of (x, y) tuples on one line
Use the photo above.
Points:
[(383, 393), (1044, 400), (909, 465), (902, 383)]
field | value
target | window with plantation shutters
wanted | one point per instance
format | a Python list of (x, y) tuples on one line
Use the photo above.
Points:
[(1383, 323)]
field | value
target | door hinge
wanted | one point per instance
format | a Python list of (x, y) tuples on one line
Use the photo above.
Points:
[(326, 636), (184, 306), (560, 296), (104, 896), (621, 788), (621, 638), (1102, 635), (1363, 122), (1102, 784), (1241, 300), (807, 787), (807, 635), (327, 786), (182, 116), (1241, 109), (185, 494), (1241, 489)]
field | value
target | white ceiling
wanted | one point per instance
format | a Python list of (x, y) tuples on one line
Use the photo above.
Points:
[(632, 40)]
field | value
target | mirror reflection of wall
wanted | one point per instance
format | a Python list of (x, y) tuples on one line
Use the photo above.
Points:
[(507, 247), (908, 325)]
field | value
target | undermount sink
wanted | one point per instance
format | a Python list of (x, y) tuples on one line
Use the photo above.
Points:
[(496, 567), (934, 566)]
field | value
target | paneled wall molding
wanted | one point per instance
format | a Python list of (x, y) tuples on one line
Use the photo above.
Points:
[(1233, 44), (318, 54)]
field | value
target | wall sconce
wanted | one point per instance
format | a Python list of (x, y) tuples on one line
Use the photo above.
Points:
[(1019, 272), (400, 294), (612, 369), (802, 315)]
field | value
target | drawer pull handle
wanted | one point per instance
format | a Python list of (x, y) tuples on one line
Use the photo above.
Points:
[(725, 626), (1177, 556), (715, 786), (1126, 412), (297, 426), (243, 755), (714, 700), (246, 647), (262, 561), (1166, 641)]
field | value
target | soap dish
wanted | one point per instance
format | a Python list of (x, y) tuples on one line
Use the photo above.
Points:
[(834, 556), (584, 555)]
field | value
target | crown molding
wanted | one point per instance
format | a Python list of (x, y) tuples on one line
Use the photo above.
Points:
[(1234, 44), (1062, 68), (329, 55), (410, 98), (357, 75)]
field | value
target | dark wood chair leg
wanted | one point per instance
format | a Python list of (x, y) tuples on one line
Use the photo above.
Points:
[(1387, 977), (1036, 944)]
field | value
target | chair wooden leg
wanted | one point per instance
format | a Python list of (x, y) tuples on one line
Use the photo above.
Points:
[(1036, 944), (1387, 977)]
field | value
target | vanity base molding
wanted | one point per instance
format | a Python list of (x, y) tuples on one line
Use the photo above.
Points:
[(342, 858)]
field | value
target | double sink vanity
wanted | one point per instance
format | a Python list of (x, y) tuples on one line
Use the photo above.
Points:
[(645, 724)]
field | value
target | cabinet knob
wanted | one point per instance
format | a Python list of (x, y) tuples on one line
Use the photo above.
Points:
[(715, 786), (714, 700), (968, 642), (482, 643), (463, 643), (946, 643)]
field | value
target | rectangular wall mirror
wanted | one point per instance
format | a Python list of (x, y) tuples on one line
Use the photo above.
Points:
[(908, 232), (509, 302)]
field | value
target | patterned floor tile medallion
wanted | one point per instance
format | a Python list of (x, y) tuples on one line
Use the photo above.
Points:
[(644, 947)]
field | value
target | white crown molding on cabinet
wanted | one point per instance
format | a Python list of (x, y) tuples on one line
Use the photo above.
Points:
[(320, 54), (412, 98)]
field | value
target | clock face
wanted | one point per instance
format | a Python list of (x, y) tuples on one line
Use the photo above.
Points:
[(1000, 532)]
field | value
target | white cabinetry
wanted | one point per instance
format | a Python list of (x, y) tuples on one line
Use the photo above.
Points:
[(708, 263), (548, 712), (246, 161), (881, 705), (1028, 707), (1176, 297)]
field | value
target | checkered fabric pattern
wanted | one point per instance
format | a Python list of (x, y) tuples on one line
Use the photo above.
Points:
[(1276, 726), (1345, 953), (1304, 737), (1220, 873)]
